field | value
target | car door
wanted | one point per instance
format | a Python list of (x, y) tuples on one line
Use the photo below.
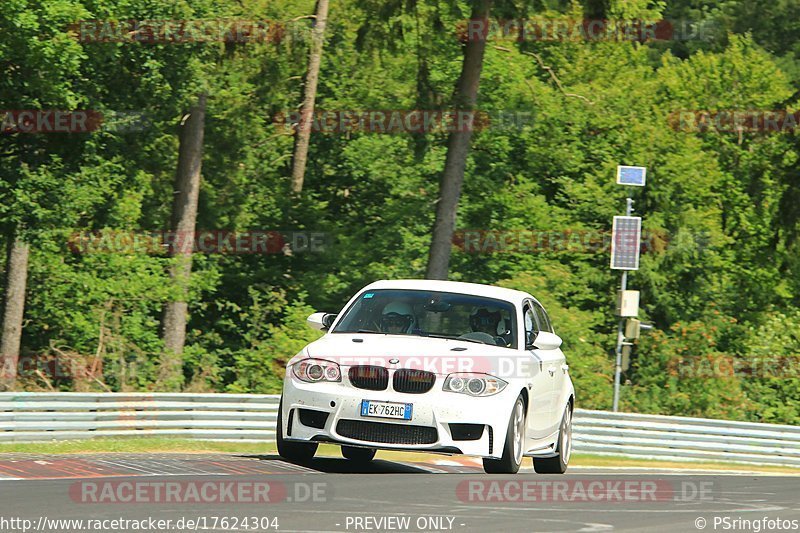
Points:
[(540, 380), (557, 363), (551, 361)]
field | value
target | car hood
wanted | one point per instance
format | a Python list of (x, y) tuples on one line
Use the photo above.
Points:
[(441, 356)]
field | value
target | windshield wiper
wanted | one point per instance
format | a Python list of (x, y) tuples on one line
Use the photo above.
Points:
[(438, 336), (473, 340), (465, 339), (450, 337)]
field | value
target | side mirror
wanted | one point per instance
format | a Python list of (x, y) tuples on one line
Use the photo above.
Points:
[(546, 341), (320, 321)]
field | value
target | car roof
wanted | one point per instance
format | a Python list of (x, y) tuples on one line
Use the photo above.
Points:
[(475, 289)]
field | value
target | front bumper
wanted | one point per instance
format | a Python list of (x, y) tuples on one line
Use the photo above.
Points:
[(437, 424)]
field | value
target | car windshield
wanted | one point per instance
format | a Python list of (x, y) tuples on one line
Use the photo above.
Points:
[(432, 314)]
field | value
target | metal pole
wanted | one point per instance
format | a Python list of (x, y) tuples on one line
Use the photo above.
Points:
[(621, 329)]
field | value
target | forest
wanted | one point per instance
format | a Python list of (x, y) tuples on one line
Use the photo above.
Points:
[(183, 183)]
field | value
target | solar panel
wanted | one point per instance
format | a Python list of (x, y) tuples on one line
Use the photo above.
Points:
[(626, 237), (631, 175)]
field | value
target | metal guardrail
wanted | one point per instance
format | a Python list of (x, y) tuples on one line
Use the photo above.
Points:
[(686, 439), (35, 416)]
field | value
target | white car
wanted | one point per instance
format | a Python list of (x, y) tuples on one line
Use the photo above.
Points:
[(432, 366)]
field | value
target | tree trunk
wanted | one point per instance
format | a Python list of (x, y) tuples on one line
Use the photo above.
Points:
[(303, 133), (17, 272), (181, 242), (466, 96)]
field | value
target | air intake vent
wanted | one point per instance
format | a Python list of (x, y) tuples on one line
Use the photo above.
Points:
[(413, 381), (466, 431), (313, 419), (369, 377), (386, 433)]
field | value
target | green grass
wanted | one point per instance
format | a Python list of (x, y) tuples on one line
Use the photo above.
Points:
[(610, 461), (137, 445), (172, 445)]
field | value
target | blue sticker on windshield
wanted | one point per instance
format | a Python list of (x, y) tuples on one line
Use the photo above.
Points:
[(369, 295)]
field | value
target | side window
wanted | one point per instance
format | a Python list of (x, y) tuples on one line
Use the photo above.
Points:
[(542, 319), (531, 328)]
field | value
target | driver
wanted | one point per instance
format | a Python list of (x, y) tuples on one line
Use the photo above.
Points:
[(397, 318), (484, 321)]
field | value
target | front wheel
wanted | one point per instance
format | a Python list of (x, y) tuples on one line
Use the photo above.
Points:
[(559, 463), (291, 450), (511, 460), (360, 455)]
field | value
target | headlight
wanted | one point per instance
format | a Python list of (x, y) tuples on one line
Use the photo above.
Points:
[(314, 370), (474, 384)]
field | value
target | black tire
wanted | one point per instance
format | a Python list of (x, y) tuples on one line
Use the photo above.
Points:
[(513, 448), (291, 450), (559, 463), (361, 455)]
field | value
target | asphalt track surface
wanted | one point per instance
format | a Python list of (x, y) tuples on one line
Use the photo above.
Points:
[(334, 494)]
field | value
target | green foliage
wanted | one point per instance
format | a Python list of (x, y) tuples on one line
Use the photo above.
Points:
[(680, 373), (260, 366), (771, 375)]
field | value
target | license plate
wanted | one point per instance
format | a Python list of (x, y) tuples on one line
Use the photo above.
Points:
[(375, 409)]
